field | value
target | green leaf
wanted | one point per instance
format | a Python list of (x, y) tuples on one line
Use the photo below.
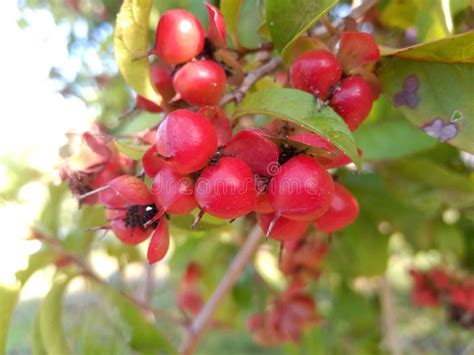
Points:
[(133, 151), (231, 11), (143, 121), (9, 294), (50, 318), (141, 334), (130, 43), (426, 15), (206, 223), (437, 78), (391, 139), (300, 107), (289, 19)]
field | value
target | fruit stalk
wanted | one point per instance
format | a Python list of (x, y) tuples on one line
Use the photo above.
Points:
[(201, 322)]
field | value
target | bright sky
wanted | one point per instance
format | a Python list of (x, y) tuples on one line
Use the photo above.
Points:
[(34, 120)]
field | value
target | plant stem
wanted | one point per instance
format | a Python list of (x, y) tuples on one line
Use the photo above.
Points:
[(251, 78), (201, 322), (388, 317)]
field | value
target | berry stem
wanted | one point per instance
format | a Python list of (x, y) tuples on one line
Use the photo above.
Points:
[(201, 322), (93, 192), (251, 78)]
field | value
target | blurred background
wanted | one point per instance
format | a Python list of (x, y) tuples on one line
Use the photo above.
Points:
[(58, 77)]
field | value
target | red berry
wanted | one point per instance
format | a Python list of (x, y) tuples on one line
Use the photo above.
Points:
[(216, 30), (161, 76), (283, 229), (187, 139), (316, 72), (357, 49), (258, 152), (343, 211), (302, 189), (128, 234), (352, 100), (173, 192), (200, 83), (263, 204), (179, 37), (147, 105), (152, 162), (159, 242), (220, 121), (226, 190), (125, 191)]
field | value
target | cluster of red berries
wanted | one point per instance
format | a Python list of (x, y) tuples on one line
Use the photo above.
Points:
[(187, 70), (345, 81), (437, 287), (294, 310)]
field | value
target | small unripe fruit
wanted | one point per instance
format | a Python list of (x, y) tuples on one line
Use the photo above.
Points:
[(353, 100), (179, 37), (315, 72), (200, 83), (357, 49), (216, 32), (283, 229), (187, 139), (226, 190), (343, 210), (302, 189)]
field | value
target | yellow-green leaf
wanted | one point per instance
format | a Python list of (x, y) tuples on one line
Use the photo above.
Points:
[(130, 43)]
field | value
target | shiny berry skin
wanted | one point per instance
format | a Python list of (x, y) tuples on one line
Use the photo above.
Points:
[(220, 121), (357, 49), (343, 211), (216, 32), (159, 242), (353, 100), (315, 72), (152, 162), (226, 189), (302, 189), (179, 37), (161, 76), (173, 192), (125, 191), (258, 152), (187, 139), (284, 229), (200, 83)]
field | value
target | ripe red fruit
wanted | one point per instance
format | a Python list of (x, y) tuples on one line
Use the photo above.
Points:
[(152, 162), (161, 76), (316, 72), (357, 49), (200, 83), (187, 139), (173, 192), (125, 191), (159, 242), (179, 37), (258, 152), (343, 211), (226, 190), (302, 189), (283, 229), (216, 30), (128, 234), (220, 121), (352, 100)]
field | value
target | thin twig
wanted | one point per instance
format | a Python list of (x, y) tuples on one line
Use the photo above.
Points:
[(388, 318), (201, 322), (359, 11), (251, 78), (86, 271)]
